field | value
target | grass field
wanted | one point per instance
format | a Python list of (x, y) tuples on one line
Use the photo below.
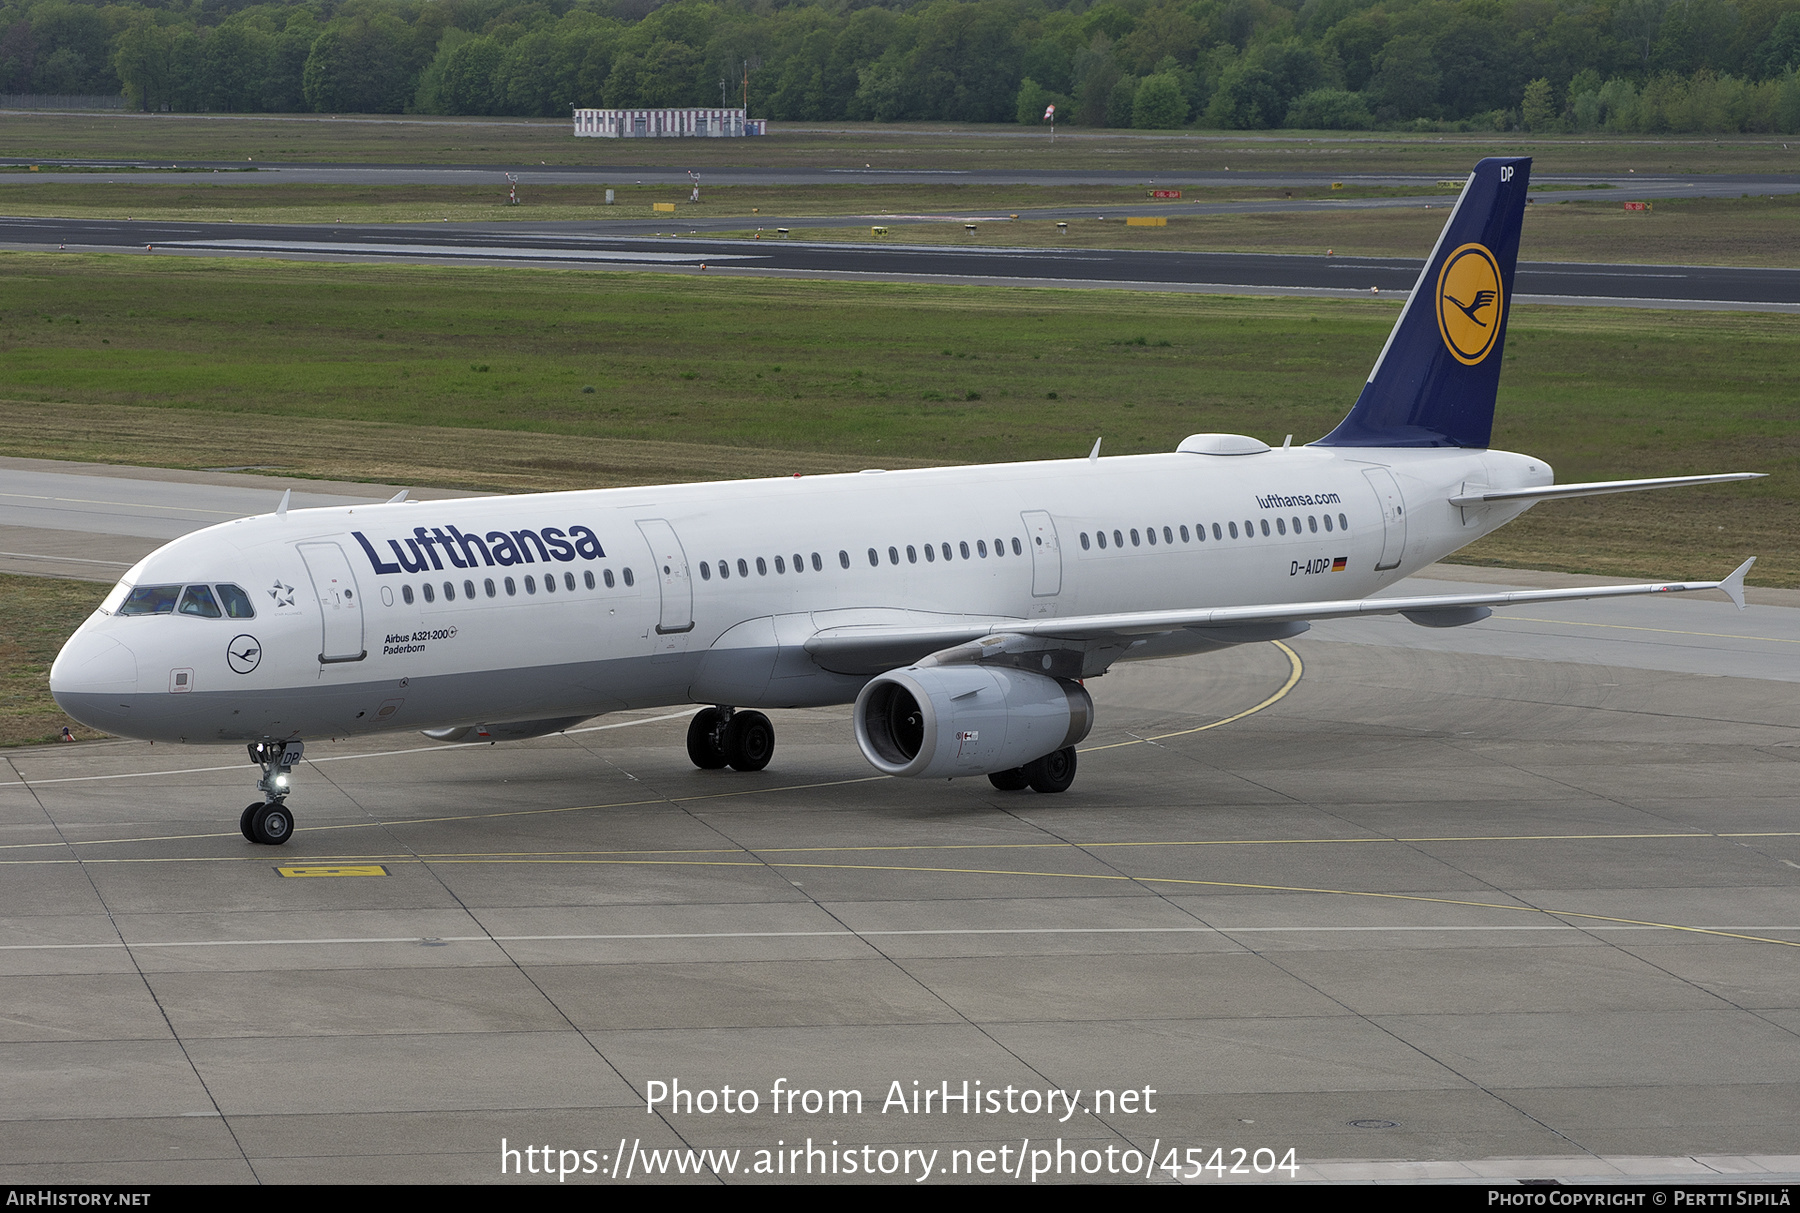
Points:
[(393, 139), (36, 616), (479, 377), (1759, 230), (231, 196)]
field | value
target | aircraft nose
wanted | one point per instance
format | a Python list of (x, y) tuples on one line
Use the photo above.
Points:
[(92, 663)]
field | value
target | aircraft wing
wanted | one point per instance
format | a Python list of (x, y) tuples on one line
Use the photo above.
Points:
[(1084, 645)]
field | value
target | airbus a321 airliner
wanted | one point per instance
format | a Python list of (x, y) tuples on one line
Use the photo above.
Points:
[(958, 608)]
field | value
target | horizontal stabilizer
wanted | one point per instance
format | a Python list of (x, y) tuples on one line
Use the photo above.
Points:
[(1595, 488)]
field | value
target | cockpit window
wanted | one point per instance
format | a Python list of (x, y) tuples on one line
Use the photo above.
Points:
[(151, 600), (199, 601), (237, 603)]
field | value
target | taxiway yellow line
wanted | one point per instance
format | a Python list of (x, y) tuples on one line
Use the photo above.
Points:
[(1295, 670)]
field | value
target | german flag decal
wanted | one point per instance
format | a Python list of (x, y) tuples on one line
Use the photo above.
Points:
[(1337, 564)]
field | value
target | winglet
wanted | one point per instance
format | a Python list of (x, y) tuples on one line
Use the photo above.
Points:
[(1734, 584), (1094, 455), (281, 509), (397, 498)]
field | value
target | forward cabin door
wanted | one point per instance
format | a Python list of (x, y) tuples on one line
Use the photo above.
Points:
[(677, 615), (340, 605), (1046, 556), (1393, 517)]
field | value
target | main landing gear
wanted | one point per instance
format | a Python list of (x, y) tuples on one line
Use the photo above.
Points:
[(1051, 773), (725, 737), (271, 822)]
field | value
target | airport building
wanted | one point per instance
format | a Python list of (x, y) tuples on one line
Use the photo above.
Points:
[(667, 124)]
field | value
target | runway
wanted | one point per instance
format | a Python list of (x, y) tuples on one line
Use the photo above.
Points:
[(572, 245), (199, 172), (1514, 900)]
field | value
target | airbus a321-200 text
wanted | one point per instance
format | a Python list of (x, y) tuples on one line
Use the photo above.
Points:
[(959, 609)]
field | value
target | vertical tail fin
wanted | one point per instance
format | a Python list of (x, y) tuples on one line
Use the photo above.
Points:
[(1435, 381)]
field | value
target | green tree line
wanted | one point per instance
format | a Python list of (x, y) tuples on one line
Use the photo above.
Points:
[(1576, 65)]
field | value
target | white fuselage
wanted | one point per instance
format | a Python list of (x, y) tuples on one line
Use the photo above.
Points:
[(346, 640)]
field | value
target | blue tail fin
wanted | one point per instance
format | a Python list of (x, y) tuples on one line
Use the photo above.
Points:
[(1435, 381)]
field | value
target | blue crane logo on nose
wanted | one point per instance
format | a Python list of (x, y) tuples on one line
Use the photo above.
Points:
[(243, 654)]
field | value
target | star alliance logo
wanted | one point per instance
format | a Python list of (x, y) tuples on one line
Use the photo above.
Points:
[(282, 594)]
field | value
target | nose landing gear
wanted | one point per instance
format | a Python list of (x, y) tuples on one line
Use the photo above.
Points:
[(271, 822)]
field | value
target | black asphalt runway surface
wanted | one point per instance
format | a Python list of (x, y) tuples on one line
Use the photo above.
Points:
[(1617, 185), (576, 245)]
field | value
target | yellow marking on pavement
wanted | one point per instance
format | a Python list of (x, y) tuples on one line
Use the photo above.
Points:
[(1629, 627), (1122, 878), (1275, 888), (372, 825), (1295, 670), (361, 869), (645, 856)]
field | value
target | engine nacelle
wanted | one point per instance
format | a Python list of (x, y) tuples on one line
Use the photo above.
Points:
[(951, 720), (512, 730)]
